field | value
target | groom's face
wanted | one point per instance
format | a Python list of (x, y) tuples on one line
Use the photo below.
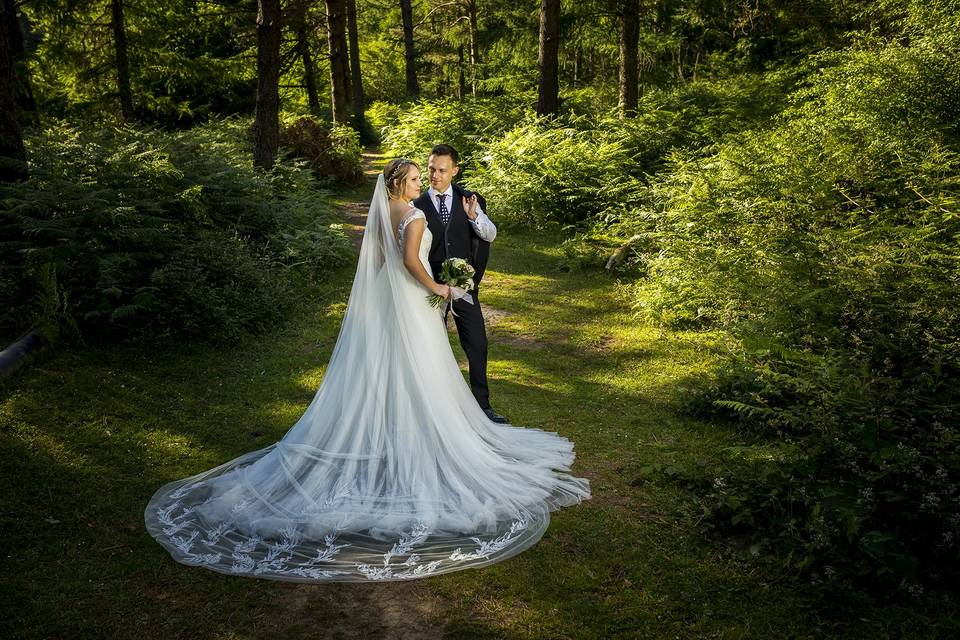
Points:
[(441, 169)]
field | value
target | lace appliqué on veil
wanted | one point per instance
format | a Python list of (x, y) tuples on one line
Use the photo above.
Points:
[(294, 559)]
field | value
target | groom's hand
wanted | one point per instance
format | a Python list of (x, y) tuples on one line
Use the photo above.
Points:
[(470, 206)]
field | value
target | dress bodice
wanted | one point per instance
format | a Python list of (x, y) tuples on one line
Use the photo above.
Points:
[(425, 241)]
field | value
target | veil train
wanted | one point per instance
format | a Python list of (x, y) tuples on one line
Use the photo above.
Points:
[(393, 471)]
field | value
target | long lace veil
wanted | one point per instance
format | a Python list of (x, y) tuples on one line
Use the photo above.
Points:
[(391, 473)]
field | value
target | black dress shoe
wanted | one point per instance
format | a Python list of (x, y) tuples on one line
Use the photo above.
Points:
[(495, 417)]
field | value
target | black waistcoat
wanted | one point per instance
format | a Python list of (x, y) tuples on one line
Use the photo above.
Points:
[(452, 241), (457, 239)]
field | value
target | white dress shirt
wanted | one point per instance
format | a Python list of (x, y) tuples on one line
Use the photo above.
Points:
[(483, 225)]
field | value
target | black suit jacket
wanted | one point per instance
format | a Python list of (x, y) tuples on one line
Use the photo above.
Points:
[(479, 248)]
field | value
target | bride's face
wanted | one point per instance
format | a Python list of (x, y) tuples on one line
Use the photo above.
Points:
[(411, 184)]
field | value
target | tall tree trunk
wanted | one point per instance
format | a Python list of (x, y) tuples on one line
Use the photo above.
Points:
[(355, 75), (13, 156), (474, 48), (548, 59), (266, 122), (462, 86), (120, 53), (629, 38), (576, 66), (337, 44), (23, 92), (309, 70), (410, 53), (303, 48), (347, 77)]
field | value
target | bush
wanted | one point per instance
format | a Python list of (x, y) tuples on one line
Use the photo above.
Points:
[(382, 116), (827, 245), (414, 129), (332, 153), (543, 172), (127, 231)]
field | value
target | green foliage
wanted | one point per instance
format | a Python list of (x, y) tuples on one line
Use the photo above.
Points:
[(333, 152), (151, 233), (186, 64), (412, 130), (584, 167), (827, 245), (593, 167), (211, 286), (384, 115), (540, 173)]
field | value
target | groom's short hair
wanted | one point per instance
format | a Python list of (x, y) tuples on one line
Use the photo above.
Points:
[(446, 150)]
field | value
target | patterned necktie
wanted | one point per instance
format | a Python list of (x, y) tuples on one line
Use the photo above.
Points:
[(444, 212)]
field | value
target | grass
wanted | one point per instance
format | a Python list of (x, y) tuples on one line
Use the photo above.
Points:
[(87, 436)]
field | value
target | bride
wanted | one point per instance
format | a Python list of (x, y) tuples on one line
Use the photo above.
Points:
[(393, 472)]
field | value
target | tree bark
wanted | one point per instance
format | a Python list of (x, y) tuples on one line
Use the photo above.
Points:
[(629, 39), (266, 120), (23, 92), (410, 53), (474, 48), (548, 59), (309, 68), (337, 44), (120, 54), (347, 78), (13, 157), (355, 75), (577, 64), (462, 86)]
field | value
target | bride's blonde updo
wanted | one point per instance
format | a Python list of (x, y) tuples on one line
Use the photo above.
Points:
[(395, 173)]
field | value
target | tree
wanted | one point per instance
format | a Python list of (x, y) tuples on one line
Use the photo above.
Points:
[(337, 45), (462, 80), (629, 38), (266, 119), (303, 48), (548, 59), (120, 55), (474, 48), (23, 92), (13, 156), (410, 53), (356, 79)]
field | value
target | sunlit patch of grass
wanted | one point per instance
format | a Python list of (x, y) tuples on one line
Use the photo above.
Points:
[(164, 444), (54, 449)]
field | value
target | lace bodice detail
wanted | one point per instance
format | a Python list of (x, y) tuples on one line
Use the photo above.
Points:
[(410, 217), (423, 251)]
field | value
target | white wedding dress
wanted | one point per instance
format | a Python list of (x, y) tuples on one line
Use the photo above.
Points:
[(393, 471)]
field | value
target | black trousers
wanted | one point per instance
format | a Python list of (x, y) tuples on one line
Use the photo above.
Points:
[(473, 338)]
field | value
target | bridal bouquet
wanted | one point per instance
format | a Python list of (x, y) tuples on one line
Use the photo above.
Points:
[(458, 275)]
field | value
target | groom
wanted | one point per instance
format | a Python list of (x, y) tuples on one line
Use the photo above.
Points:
[(457, 234)]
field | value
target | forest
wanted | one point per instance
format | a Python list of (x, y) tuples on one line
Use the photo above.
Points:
[(777, 179)]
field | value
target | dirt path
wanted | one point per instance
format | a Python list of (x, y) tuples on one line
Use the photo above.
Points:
[(354, 203), (389, 611)]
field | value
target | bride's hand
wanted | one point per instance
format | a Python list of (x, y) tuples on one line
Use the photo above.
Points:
[(442, 290), (470, 206)]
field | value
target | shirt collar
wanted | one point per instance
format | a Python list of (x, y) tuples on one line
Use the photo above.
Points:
[(449, 191)]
